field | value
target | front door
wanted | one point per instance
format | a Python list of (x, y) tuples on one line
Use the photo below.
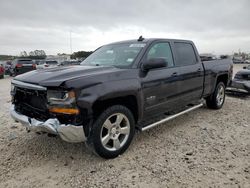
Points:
[(160, 86)]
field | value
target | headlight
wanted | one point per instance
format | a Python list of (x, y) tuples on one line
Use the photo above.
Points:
[(60, 97), (62, 102), (12, 88), (12, 92)]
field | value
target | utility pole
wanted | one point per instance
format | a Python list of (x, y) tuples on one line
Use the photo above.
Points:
[(70, 39)]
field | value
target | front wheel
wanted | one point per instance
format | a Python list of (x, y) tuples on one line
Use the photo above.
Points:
[(217, 99), (112, 132)]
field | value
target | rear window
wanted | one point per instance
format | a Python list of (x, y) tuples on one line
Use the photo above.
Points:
[(65, 63), (26, 61), (51, 62), (75, 63), (185, 54)]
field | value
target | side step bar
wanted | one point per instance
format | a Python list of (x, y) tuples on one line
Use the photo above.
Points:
[(171, 117)]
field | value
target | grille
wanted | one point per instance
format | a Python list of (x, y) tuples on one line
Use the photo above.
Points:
[(32, 103)]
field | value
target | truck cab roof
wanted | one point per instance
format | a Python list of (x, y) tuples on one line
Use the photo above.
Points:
[(150, 40)]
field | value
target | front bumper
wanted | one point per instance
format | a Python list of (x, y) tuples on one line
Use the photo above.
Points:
[(69, 133)]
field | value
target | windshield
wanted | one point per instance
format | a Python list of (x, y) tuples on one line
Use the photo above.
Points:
[(118, 55)]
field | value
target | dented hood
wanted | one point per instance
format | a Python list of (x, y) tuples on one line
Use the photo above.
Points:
[(56, 76)]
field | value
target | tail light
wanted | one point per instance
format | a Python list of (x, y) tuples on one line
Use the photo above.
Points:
[(46, 65), (19, 65), (34, 66)]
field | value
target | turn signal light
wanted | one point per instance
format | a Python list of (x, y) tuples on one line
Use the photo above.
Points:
[(64, 110)]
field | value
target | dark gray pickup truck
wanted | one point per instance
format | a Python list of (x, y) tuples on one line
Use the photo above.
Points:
[(122, 86)]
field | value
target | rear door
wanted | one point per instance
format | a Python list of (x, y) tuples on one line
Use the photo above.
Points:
[(159, 86), (191, 72)]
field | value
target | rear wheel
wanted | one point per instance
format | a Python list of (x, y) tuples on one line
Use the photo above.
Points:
[(112, 132), (217, 99)]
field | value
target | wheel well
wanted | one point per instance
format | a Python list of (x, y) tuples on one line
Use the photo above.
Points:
[(129, 101), (222, 78)]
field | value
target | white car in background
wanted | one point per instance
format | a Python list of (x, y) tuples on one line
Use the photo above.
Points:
[(46, 64), (247, 61)]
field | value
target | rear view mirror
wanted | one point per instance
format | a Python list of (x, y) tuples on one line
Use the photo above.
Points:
[(154, 63)]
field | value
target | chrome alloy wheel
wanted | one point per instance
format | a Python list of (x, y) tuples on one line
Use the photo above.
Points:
[(115, 132), (220, 95)]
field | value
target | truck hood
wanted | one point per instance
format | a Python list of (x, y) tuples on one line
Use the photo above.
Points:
[(54, 77)]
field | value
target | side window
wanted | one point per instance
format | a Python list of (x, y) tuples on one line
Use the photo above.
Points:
[(185, 54), (161, 50)]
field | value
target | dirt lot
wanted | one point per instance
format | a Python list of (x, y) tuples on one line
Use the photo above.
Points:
[(204, 148)]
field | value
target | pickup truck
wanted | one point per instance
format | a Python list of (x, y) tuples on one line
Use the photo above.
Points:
[(123, 86)]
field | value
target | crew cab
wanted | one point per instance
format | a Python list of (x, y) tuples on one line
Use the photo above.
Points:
[(123, 86)]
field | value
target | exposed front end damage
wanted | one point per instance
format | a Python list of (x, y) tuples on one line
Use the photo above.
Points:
[(50, 111), (69, 133)]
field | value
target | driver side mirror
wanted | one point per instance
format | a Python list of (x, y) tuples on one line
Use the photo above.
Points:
[(154, 64)]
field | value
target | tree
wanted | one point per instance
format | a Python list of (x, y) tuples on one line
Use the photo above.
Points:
[(80, 54), (31, 53), (23, 54), (37, 54)]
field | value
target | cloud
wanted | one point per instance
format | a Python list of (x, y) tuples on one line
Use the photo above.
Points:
[(215, 26)]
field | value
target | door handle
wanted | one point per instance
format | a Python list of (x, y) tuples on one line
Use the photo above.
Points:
[(199, 70), (174, 74)]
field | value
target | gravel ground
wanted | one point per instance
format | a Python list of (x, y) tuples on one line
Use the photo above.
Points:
[(204, 148)]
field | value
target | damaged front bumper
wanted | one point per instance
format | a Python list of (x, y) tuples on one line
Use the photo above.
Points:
[(69, 133)]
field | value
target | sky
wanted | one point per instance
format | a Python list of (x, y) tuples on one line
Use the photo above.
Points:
[(216, 26)]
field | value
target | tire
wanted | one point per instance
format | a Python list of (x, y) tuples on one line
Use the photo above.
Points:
[(2, 76), (112, 132), (12, 74), (217, 99)]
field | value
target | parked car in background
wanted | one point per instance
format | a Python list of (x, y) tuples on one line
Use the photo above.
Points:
[(247, 67), (241, 81), (7, 67), (247, 61), (2, 70), (238, 60), (69, 63), (46, 64), (20, 66), (207, 57)]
